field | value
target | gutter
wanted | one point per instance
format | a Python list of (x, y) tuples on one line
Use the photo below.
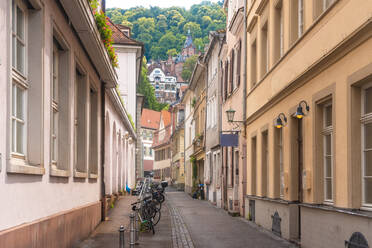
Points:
[(103, 128), (245, 67)]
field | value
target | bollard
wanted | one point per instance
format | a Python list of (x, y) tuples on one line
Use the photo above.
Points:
[(121, 237), (132, 231), (137, 229)]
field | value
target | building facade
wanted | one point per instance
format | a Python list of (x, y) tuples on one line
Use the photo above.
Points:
[(150, 121), (198, 104), (308, 120), (177, 145), (165, 86), (162, 147), (189, 134), (57, 79), (213, 162), (232, 99)]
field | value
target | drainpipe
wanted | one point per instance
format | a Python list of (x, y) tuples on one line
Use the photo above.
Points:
[(244, 98), (103, 189)]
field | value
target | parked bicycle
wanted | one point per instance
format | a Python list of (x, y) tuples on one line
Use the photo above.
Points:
[(148, 207)]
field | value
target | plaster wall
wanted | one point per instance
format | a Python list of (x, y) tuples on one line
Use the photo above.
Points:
[(27, 198), (120, 160), (127, 78)]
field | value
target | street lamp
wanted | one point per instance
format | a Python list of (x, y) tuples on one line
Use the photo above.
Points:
[(279, 122), (300, 113), (230, 115)]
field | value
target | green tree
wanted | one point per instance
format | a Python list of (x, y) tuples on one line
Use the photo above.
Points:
[(172, 52), (194, 28), (188, 67)]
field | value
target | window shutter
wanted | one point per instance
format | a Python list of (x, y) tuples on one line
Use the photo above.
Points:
[(238, 69), (232, 71), (226, 77)]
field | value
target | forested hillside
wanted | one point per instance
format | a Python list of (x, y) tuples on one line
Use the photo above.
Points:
[(163, 30)]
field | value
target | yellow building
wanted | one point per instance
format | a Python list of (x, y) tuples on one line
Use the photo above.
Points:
[(198, 86), (309, 120)]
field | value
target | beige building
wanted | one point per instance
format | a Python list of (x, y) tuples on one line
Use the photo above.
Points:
[(188, 137), (197, 158), (177, 145), (232, 190), (310, 179), (162, 147)]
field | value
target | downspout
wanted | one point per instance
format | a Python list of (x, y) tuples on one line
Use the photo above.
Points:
[(103, 128), (244, 183)]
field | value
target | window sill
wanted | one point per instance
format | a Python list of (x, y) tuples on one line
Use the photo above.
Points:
[(93, 176), (78, 174), (19, 166), (55, 172)]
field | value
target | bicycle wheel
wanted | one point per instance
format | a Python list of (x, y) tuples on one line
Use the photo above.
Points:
[(156, 218)]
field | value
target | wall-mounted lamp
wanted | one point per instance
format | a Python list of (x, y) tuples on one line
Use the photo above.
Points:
[(300, 113), (279, 122), (230, 115)]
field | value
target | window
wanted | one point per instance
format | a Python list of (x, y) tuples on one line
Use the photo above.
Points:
[(320, 6), (253, 164), (80, 123), (253, 63), (231, 73), (19, 37), (296, 20), (367, 144), (327, 152), (300, 17), (238, 64), (264, 163), (20, 85), (264, 50), (25, 86), (93, 140), (18, 120), (278, 31), (279, 168), (55, 103)]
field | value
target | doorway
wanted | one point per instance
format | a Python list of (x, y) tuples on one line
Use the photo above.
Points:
[(297, 161)]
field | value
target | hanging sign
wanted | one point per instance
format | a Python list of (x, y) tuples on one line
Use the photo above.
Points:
[(230, 140)]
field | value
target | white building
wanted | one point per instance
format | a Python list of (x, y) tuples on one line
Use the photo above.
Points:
[(57, 94), (165, 86)]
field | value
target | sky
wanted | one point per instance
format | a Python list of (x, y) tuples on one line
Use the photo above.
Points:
[(125, 4)]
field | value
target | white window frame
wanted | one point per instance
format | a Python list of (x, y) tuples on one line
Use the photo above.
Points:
[(327, 130), (281, 32), (19, 79), (365, 119), (54, 106), (23, 8), (300, 17)]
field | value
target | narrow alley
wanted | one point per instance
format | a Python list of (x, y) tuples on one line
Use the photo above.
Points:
[(208, 226)]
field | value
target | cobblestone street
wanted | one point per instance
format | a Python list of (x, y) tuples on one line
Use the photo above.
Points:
[(198, 223)]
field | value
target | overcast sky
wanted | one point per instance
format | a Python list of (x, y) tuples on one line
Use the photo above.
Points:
[(125, 4)]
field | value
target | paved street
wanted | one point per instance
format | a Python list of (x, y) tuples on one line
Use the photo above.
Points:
[(198, 223)]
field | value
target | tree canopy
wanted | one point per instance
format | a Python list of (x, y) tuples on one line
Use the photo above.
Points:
[(164, 29), (188, 67)]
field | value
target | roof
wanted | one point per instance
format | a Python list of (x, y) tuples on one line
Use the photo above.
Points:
[(188, 41), (166, 115), (120, 37), (150, 119)]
